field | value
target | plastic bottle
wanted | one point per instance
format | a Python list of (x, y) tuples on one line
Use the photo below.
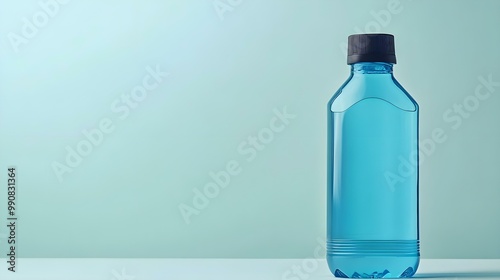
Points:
[(372, 227)]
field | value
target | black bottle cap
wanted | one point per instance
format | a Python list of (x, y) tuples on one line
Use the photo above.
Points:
[(371, 48)]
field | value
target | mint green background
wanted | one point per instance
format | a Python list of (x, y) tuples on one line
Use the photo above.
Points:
[(226, 77)]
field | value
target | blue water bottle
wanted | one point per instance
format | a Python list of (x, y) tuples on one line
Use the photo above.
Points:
[(372, 204)]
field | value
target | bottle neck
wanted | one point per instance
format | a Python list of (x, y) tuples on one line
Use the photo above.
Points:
[(371, 68)]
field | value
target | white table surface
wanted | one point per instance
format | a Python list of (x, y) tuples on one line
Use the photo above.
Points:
[(222, 269)]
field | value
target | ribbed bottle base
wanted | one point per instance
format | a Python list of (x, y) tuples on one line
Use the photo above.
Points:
[(344, 247), (373, 258)]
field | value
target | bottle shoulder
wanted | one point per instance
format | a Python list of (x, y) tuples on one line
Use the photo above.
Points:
[(359, 87)]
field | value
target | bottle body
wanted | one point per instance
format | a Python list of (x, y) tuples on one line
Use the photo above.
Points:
[(372, 204)]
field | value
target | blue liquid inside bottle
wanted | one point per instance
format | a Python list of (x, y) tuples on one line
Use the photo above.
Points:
[(372, 204)]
